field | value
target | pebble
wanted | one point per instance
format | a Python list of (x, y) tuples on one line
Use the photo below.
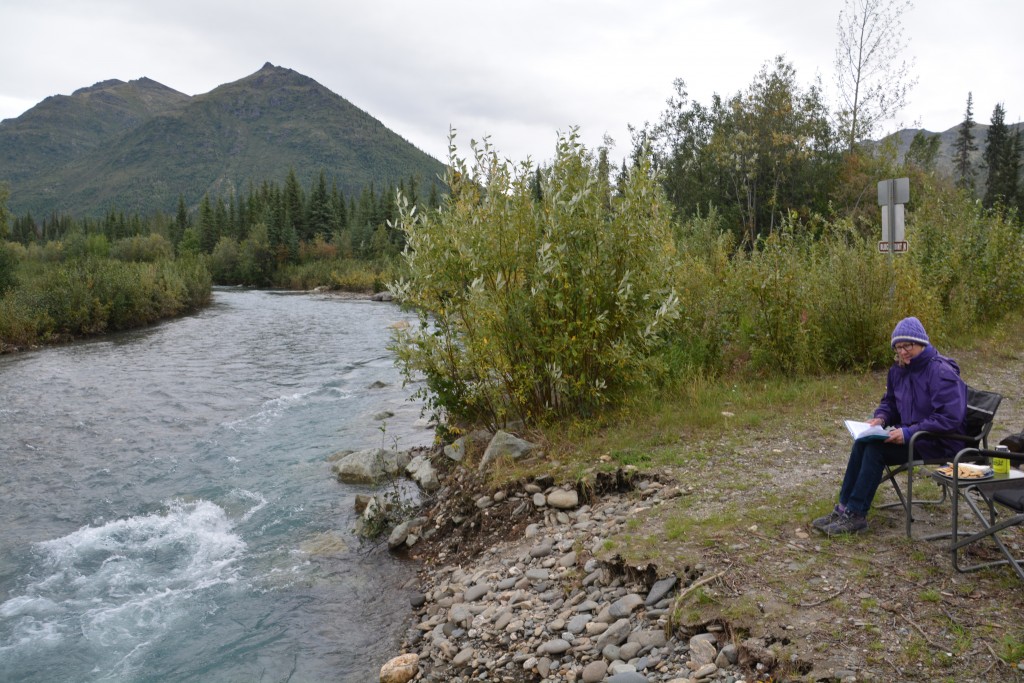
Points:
[(532, 604)]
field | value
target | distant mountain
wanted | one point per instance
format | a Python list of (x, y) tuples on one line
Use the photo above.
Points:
[(947, 138), (138, 146)]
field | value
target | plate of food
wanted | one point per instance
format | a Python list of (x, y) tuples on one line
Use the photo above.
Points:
[(966, 470)]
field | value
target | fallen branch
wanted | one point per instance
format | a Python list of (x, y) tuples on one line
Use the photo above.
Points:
[(997, 660), (899, 672), (824, 600), (669, 627), (924, 635)]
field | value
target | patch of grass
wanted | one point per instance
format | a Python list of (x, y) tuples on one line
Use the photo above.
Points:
[(631, 457), (1011, 647), (677, 426)]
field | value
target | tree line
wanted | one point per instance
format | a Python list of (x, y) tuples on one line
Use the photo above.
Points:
[(271, 222), (774, 150)]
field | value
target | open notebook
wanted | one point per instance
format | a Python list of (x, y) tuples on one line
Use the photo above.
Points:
[(864, 431)]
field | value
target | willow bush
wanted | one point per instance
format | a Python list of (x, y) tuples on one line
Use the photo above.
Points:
[(967, 256), (701, 341), (548, 293), (820, 298), (77, 297), (772, 282), (851, 308), (539, 294)]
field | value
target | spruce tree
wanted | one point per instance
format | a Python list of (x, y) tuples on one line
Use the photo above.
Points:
[(181, 222), (209, 232), (1000, 150), (321, 219), (963, 147), (295, 207), (1013, 168)]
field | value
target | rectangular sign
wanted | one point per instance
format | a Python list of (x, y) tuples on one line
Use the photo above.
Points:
[(894, 191), (900, 224), (898, 247)]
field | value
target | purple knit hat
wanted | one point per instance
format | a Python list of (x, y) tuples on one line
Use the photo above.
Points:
[(909, 330)]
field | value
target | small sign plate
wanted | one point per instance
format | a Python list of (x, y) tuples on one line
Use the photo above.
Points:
[(897, 247)]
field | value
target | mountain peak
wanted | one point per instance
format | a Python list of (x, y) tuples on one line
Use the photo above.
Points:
[(96, 87), (140, 145)]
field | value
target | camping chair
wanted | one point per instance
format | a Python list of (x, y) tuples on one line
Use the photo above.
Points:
[(981, 410), (1008, 494)]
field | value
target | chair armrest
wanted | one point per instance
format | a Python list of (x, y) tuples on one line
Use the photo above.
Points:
[(1013, 457), (924, 434), (1009, 455)]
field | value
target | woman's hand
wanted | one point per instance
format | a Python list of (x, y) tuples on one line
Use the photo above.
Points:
[(876, 422), (895, 436)]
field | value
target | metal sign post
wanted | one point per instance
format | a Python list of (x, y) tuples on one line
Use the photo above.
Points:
[(892, 195)]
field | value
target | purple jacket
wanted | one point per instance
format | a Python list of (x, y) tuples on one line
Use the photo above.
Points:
[(927, 394)]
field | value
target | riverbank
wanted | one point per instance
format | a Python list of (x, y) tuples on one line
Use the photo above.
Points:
[(521, 590)]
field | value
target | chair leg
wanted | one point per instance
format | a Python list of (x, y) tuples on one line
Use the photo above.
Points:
[(910, 501), (906, 501), (991, 532)]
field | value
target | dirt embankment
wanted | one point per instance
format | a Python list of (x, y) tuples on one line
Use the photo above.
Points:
[(880, 605)]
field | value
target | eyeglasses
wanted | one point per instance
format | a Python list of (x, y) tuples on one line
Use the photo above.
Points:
[(907, 346)]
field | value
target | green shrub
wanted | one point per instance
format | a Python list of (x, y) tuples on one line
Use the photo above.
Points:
[(851, 307), (142, 248), (772, 280), (86, 296), (532, 307), (19, 323), (700, 339), (967, 256), (350, 275), (255, 259), (224, 262), (78, 245), (8, 266)]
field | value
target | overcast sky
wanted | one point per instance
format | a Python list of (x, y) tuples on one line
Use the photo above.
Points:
[(519, 71)]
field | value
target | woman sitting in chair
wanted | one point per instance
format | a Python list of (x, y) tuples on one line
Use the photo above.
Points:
[(923, 392)]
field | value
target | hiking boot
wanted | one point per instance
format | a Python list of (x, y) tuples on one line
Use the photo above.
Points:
[(848, 523), (822, 522)]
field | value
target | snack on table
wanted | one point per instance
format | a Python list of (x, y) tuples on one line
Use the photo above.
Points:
[(966, 471)]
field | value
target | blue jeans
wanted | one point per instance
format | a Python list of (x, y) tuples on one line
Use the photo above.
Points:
[(864, 472)]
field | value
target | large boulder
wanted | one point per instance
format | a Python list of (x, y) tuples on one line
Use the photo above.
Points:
[(401, 669), (563, 499), (421, 471), (370, 466), (505, 445), (398, 535), (466, 445)]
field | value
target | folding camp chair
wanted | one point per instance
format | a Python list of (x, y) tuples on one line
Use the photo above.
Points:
[(981, 410), (1008, 493)]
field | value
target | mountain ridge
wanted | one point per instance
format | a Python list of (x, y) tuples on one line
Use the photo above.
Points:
[(138, 146)]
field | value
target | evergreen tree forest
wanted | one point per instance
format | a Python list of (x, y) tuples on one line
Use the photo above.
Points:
[(258, 238), (64, 278)]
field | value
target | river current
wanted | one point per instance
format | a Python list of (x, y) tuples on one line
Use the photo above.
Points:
[(167, 512)]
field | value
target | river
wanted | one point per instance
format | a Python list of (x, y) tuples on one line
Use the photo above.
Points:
[(166, 509)]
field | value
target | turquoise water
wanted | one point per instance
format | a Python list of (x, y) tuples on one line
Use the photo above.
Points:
[(166, 511)]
